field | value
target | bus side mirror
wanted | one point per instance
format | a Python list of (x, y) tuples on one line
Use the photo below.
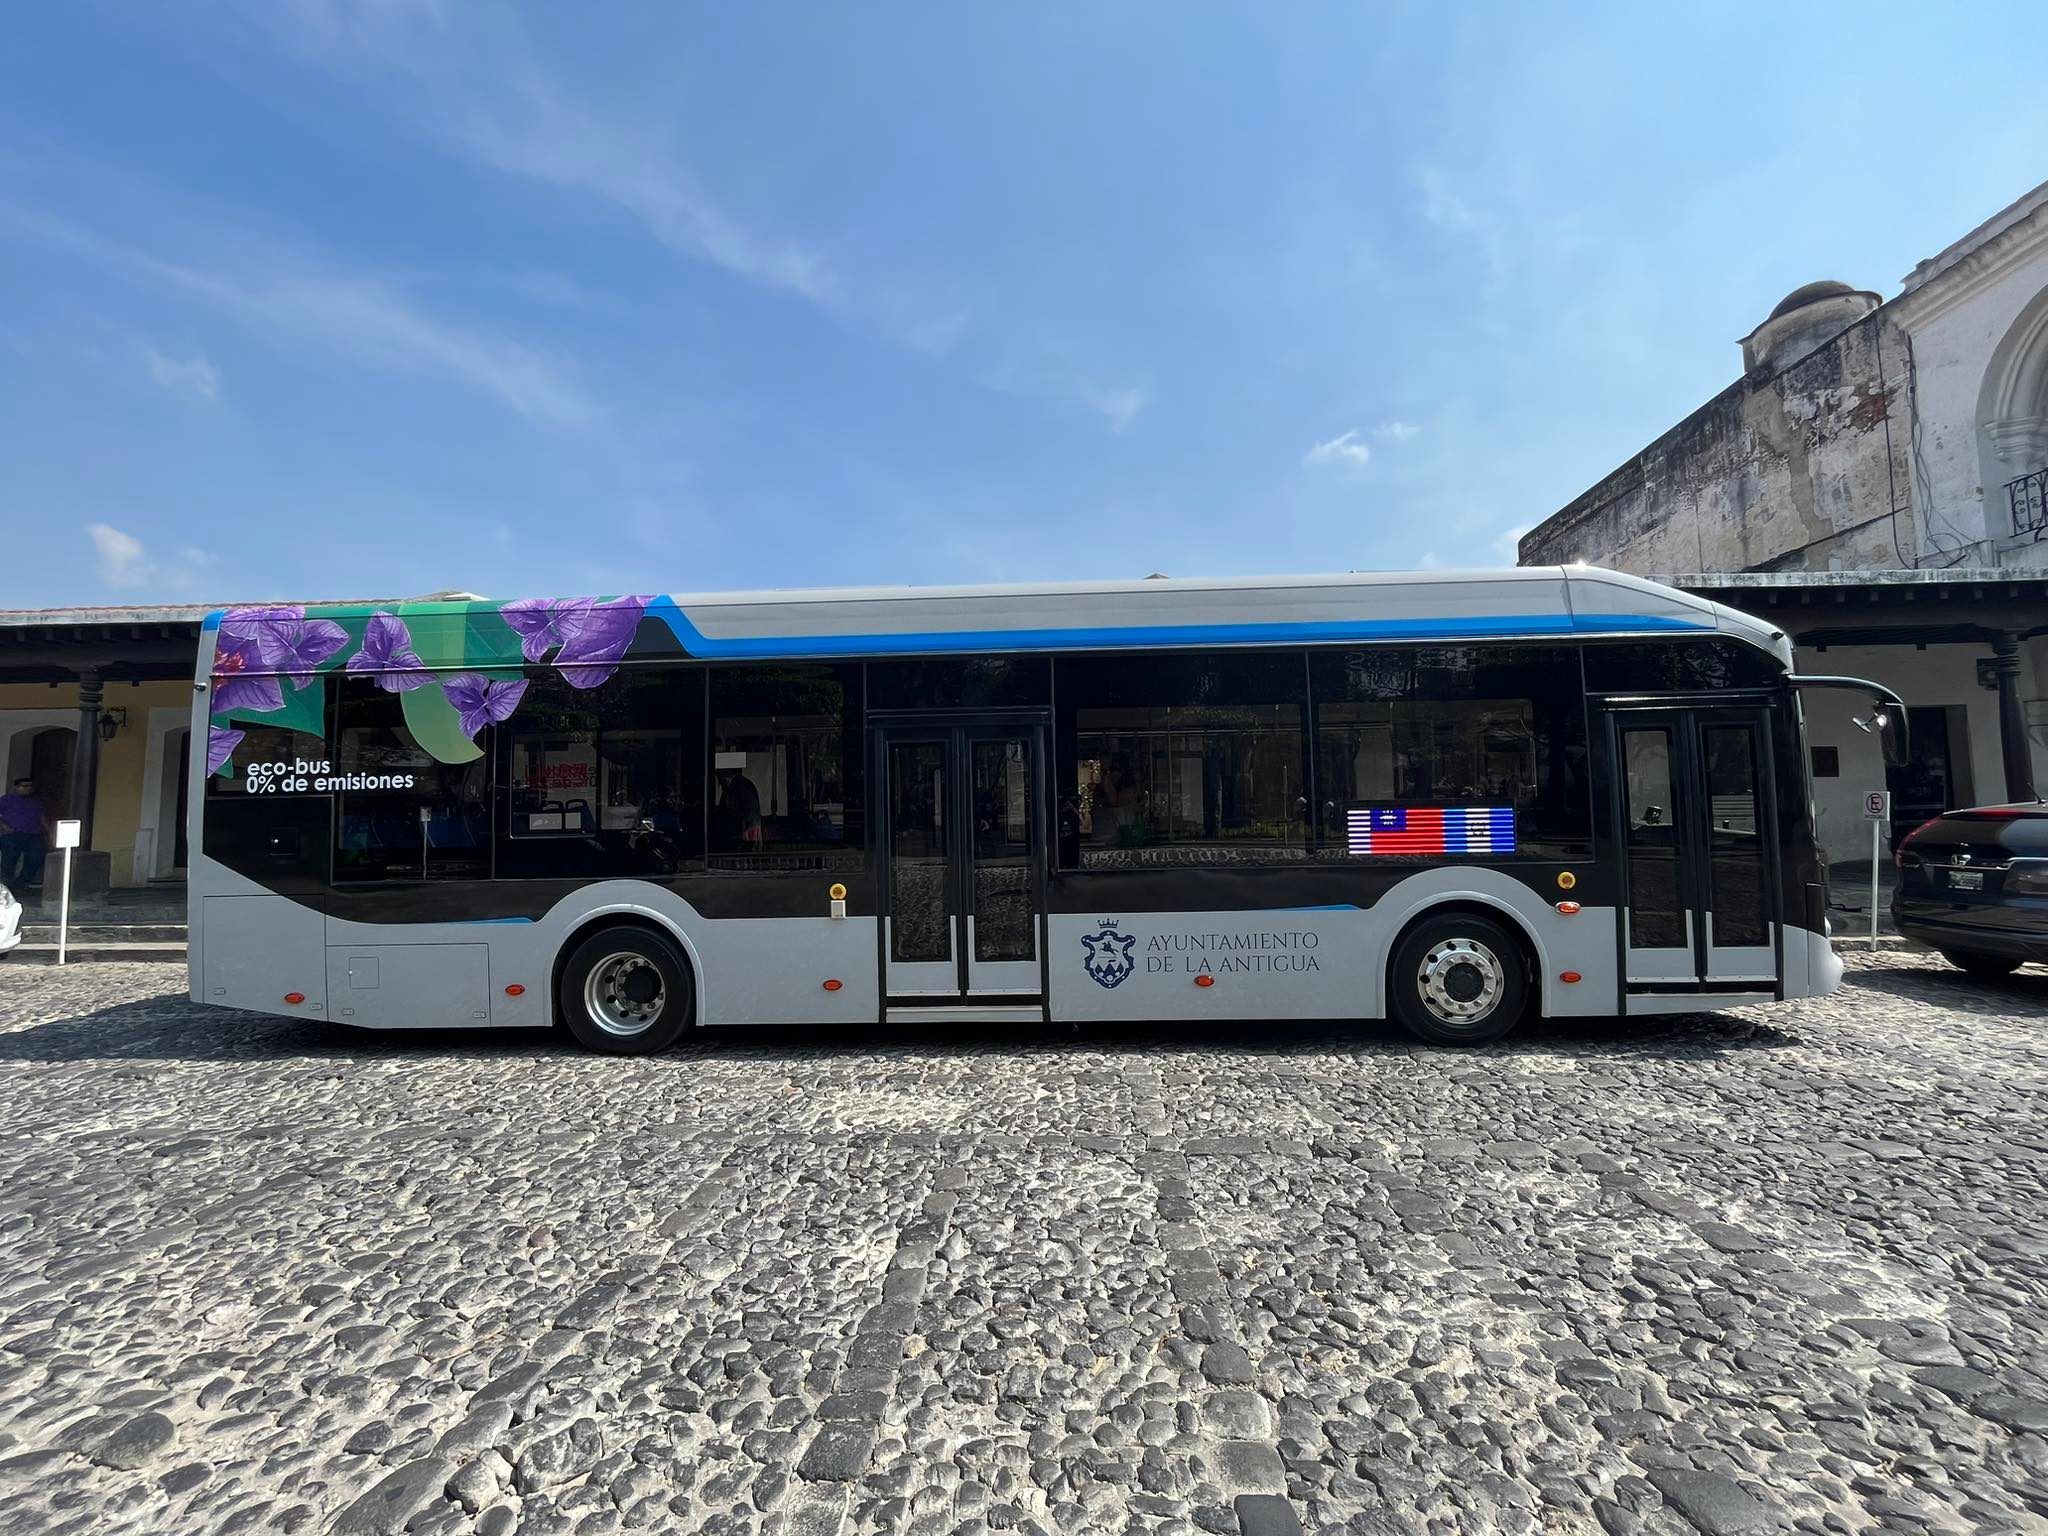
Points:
[(1889, 731)]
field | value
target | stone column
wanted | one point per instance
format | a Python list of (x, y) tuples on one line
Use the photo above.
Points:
[(85, 755), (2012, 721)]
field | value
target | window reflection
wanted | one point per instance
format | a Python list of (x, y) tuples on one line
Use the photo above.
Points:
[(603, 781), (1455, 726), (785, 767), (1183, 758), (438, 828)]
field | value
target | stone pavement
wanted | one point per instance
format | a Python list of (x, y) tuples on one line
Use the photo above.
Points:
[(1767, 1269)]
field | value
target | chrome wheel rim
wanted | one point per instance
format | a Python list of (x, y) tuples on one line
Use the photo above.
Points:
[(1460, 980), (624, 994)]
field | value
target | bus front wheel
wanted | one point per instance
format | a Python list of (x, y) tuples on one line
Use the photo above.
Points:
[(627, 992), (1458, 979)]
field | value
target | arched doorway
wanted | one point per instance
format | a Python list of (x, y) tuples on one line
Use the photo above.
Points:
[(180, 742), (49, 764)]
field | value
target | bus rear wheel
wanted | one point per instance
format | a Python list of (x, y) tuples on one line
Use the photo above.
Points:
[(1458, 979), (626, 992)]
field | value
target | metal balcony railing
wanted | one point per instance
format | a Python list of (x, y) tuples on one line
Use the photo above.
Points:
[(2028, 497)]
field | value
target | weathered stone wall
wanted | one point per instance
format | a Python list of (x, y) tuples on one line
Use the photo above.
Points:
[(1786, 471)]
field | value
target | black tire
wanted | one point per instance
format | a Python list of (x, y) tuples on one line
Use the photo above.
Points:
[(1983, 967), (626, 992), (1491, 978)]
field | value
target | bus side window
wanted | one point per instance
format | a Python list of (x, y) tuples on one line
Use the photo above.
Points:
[(411, 816), (1182, 758), (786, 789), (1488, 726), (605, 781)]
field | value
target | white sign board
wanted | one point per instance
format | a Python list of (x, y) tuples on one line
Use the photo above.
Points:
[(67, 835), (1877, 804)]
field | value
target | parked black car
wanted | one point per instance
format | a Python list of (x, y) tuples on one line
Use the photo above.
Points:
[(1974, 884)]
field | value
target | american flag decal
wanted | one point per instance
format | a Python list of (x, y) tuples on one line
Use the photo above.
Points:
[(1417, 829)]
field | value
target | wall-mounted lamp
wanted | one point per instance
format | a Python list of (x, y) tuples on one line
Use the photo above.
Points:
[(112, 720)]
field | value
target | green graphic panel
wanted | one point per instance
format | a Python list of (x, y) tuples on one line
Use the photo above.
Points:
[(305, 709), (436, 726)]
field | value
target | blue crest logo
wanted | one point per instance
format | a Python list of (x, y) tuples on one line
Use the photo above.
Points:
[(1109, 959)]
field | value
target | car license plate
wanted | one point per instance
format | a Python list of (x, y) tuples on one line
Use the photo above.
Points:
[(1966, 879)]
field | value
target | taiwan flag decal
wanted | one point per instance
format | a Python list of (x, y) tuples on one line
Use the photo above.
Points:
[(1431, 829)]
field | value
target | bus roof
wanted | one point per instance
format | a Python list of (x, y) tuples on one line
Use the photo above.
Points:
[(1360, 607)]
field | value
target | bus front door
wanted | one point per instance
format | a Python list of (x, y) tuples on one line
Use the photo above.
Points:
[(1699, 864), (963, 866)]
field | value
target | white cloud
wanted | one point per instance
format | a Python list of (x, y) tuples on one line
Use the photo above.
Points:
[(122, 560), (1342, 449), (1396, 431), (484, 90), (1506, 544), (293, 297), (125, 563), (1119, 407), (1430, 560), (195, 375), (1447, 208)]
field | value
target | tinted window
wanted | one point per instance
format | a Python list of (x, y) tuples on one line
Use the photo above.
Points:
[(414, 817), (258, 822), (786, 780), (607, 780), (1182, 757), (1469, 728), (970, 682), (1679, 666)]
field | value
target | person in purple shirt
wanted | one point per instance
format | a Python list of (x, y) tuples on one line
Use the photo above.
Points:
[(23, 824)]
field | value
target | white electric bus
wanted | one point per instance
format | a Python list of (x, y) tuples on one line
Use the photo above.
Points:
[(1447, 798)]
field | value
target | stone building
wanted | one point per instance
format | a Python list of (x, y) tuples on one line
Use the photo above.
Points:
[(1876, 482)]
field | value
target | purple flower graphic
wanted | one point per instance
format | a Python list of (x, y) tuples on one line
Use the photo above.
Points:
[(387, 655), (482, 701), (240, 680), (594, 640), (540, 622), (257, 641), (593, 635), (220, 746)]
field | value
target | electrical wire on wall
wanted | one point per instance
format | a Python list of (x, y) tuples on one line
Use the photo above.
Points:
[(1958, 549), (1890, 474)]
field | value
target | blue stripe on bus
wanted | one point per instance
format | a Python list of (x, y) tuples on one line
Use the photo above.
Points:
[(697, 643), (474, 920)]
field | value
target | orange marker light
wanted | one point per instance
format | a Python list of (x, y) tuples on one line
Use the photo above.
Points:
[(1568, 908), (515, 990), (295, 998), (1566, 880), (1205, 981), (1569, 976), (834, 984)]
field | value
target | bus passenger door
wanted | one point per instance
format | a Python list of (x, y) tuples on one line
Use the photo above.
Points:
[(963, 866), (1005, 863), (1699, 869), (920, 911)]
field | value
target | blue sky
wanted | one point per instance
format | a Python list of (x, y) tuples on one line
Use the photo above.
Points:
[(312, 299)]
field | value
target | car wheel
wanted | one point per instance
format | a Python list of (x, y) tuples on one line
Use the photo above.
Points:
[(1458, 980), (1983, 967), (626, 992)]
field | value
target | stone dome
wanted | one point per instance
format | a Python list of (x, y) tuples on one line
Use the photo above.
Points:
[(1807, 317), (1808, 293)]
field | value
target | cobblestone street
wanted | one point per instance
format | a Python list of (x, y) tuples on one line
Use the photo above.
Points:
[(1767, 1269)]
